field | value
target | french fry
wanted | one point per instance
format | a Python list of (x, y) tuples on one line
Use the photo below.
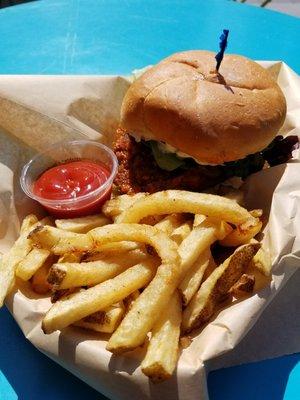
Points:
[(200, 238), (257, 213), (31, 263), (82, 224), (16, 254), (59, 241), (114, 207), (193, 278), (27, 223), (105, 321), (243, 286), (162, 352), (199, 219), (45, 221), (179, 201), (129, 300), (152, 220), (146, 309), (165, 247), (68, 275), (108, 277), (169, 223), (262, 261), (218, 284), (181, 232), (159, 290), (39, 282), (70, 257), (58, 294), (119, 247), (97, 298), (241, 235), (222, 228), (210, 268), (113, 248)]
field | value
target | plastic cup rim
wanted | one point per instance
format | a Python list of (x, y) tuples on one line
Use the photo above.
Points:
[(87, 196)]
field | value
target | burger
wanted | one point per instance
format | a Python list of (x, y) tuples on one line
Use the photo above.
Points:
[(185, 125)]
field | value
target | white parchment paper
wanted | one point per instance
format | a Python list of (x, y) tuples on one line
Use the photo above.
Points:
[(36, 111)]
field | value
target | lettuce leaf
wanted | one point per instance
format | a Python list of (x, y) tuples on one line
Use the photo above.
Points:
[(277, 152), (166, 161)]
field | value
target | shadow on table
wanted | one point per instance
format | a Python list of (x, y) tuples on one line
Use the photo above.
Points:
[(274, 375), (8, 3), (32, 375)]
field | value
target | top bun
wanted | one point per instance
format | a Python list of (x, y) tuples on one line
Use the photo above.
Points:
[(211, 117)]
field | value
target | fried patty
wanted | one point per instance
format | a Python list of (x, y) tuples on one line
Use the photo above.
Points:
[(138, 171)]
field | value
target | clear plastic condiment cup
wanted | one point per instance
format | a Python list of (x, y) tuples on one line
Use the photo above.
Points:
[(64, 152)]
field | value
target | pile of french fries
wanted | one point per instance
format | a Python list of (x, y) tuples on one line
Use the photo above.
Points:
[(143, 270)]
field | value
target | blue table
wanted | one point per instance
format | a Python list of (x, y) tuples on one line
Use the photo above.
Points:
[(113, 37)]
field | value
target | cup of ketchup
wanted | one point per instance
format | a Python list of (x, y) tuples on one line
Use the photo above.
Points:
[(72, 178)]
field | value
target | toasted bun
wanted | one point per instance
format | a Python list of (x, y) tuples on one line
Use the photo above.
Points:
[(211, 117)]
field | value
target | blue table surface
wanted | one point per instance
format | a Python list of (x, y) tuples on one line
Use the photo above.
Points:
[(114, 37)]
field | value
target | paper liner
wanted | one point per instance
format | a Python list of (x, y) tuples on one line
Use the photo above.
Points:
[(36, 111)]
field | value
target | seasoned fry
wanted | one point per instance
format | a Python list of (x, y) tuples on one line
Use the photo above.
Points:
[(181, 232), (241, 236), (69, 257), (222, 228), (114, 207), (212, 291), (83, 224), (129, 278), (179, 201), (31, 263), (119, 247), (193, 278), (138, 322), (59, 241), (129, 300), (105, 321), (257, 213), (68, 242), (162, 352), (39, 282), (243, 286), (152, 220), (199, 219), (58, 294), (79, 305), (67, 275), (210, 268), (145, 311), (10, 260), (27, 223), (165, 247), (200, 238), (169, 223), (113, 248), (262, 261)]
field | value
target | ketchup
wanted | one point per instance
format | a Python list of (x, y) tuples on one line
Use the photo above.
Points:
[(73, 180)]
